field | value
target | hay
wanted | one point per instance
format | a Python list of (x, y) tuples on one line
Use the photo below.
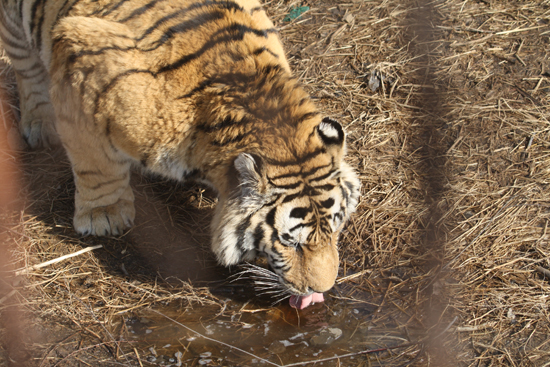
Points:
[(446, 106)]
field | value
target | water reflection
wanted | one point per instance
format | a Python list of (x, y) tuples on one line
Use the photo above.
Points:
[(280, 335)]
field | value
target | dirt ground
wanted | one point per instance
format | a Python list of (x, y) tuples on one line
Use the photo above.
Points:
[(446, 107)]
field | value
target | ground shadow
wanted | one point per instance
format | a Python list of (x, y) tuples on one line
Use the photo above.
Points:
[(171, 236)]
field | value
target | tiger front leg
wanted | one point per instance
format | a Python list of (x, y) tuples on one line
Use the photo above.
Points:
[(37, 113), (104, 201), (95, 217)]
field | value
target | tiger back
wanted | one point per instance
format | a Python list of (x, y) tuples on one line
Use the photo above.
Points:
[(189, 90)]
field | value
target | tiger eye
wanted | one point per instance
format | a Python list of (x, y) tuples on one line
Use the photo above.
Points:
[(287, 237)]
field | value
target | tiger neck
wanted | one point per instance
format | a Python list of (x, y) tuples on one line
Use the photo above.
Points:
[(267, 113)]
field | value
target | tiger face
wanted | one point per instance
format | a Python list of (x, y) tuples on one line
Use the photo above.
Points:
[(290, 213)]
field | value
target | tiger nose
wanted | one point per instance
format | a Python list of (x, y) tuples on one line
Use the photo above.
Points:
[(323, 269)]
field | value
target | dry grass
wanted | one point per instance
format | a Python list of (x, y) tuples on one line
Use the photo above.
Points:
[(453, 150)]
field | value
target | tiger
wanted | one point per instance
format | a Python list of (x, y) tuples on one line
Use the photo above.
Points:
[(188, 90)]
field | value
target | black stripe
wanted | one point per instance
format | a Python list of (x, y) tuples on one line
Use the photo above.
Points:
[(39, 104), (301, 225), (309, 191), (162, 21), (271, 69), (184, 27), (233, 78), (235, 32), (345, 194), (33, 93), (102, 196), (87, 173), (16, 57), (307, 116), (288, 186), (26, 74), (34, 10), (298, 161), (38, 81), (261, 50), (203, 85), (291, 197), (141, 10), (197, 21), (108, 127), (233, 140), (300, 251), (101, 184), (15, 43), (240, 232), (300, 212), (315, 170), (326, 187), (349, 185), (34, 22), (287, 237), (302, 101), (325, 226), (272, 202), (255, 9), (72, 58), (258, 236), (228, 121), (270, 217), (144, 159), (62, 12), (14, 32), (230, 5), (20, 9), (115, 7), (286, 175), (270, 221), (37, 64), (274, 238), (39, 27), (327, 204), (322, 177)]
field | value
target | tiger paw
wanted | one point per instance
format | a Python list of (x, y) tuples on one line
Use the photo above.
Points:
[(105, 220), (39, 133)]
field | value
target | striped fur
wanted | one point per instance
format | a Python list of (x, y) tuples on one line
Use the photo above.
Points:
[(187, 89)]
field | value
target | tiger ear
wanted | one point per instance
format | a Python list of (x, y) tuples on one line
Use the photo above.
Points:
[(331, 132), (251, 172)]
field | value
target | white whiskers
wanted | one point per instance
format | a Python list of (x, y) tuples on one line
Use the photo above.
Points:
[(265, 281)]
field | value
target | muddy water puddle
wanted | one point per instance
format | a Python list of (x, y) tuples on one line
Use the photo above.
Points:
[(243, 334)]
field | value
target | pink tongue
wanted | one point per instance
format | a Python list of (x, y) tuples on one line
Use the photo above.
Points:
[(301, 302)]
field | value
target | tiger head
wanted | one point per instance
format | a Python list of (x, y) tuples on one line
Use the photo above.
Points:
[(290, 212)]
